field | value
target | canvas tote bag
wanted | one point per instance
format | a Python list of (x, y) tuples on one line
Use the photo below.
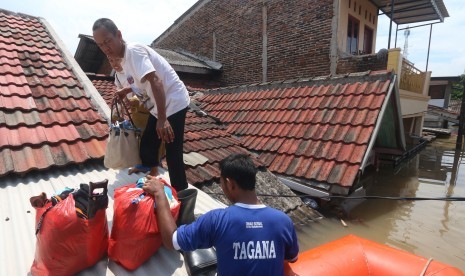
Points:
[(123, 141)]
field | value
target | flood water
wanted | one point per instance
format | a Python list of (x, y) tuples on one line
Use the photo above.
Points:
[(431, 229)]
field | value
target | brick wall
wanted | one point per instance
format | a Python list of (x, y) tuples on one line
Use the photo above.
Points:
[(299, 34), (196, 81), (360, 63)]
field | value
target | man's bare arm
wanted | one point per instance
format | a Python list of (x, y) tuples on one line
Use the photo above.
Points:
[(165, 220), (164, 130)]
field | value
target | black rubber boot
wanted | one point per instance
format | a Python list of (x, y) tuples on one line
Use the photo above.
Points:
[(201, 262), (187, 198)]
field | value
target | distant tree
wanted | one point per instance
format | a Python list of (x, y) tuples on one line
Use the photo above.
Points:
[(457, 88)]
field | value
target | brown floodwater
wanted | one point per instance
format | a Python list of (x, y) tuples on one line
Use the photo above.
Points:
[(432, 229)]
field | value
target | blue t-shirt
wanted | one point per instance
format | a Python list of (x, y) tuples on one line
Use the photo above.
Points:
[(249, 239)]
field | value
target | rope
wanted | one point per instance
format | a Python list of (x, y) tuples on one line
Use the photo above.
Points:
[(363, 197), (39, 224), (426, 266)]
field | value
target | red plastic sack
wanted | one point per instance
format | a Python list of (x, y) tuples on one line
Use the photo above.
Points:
[(67, 244), (134, 235)]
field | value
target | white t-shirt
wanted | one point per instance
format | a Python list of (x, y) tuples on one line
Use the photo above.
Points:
[(122, 82), (138, 61)]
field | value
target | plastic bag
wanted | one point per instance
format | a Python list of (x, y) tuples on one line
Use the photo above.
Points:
[(134, 235), (67, 244)]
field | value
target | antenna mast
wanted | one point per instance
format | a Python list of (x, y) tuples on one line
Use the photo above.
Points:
[(406, 34)]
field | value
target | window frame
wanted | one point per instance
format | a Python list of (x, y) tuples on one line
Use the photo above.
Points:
[(351, 23), (370, 40)]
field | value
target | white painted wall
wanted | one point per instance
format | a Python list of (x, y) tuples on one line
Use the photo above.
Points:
[(344, 11)]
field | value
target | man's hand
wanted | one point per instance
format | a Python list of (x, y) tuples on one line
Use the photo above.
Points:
[(153, 185), (165, 220), (165, 131), (123, 92)]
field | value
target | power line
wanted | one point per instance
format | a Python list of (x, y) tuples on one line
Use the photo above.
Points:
[(446, 198)]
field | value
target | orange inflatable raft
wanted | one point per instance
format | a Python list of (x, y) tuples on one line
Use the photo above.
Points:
[(352, 255)]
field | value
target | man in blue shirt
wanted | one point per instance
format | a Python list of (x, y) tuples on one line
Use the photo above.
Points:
[(250, 238)]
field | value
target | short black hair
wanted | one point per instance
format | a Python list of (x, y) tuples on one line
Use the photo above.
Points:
[(107, 24), (240, 168)]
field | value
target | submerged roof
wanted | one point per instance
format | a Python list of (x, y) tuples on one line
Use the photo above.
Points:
[(450, 114), (413, 11), (46, 117), (319, 130)]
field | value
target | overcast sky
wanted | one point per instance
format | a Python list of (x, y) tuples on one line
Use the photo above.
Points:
[(144, 20)]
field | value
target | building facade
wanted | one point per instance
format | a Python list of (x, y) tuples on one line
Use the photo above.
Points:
[(266, 41)]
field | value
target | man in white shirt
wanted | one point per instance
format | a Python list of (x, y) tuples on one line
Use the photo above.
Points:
[(147, 70)]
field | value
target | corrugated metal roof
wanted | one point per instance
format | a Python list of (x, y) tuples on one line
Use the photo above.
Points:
[(17, 219), (413, 11), (175, 58), (318, 130)]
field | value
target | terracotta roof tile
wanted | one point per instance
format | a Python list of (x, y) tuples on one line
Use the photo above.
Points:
[(28, 158), (316, 130), (46, 117), (105, 87)]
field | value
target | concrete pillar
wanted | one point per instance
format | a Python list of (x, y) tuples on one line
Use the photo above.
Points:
[(333, 46), (447, 94), (264, 44), (426, 83), (214, 47), (395, 60)]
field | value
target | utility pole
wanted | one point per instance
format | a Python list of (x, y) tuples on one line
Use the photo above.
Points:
[(390, 25), (458, 146)]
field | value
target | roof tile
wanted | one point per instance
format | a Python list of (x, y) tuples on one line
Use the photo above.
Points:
[(46, 117), (201, 135), (318, 131)]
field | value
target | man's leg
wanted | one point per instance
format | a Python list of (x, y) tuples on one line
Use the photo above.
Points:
[(174, 151), (149, 146)]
